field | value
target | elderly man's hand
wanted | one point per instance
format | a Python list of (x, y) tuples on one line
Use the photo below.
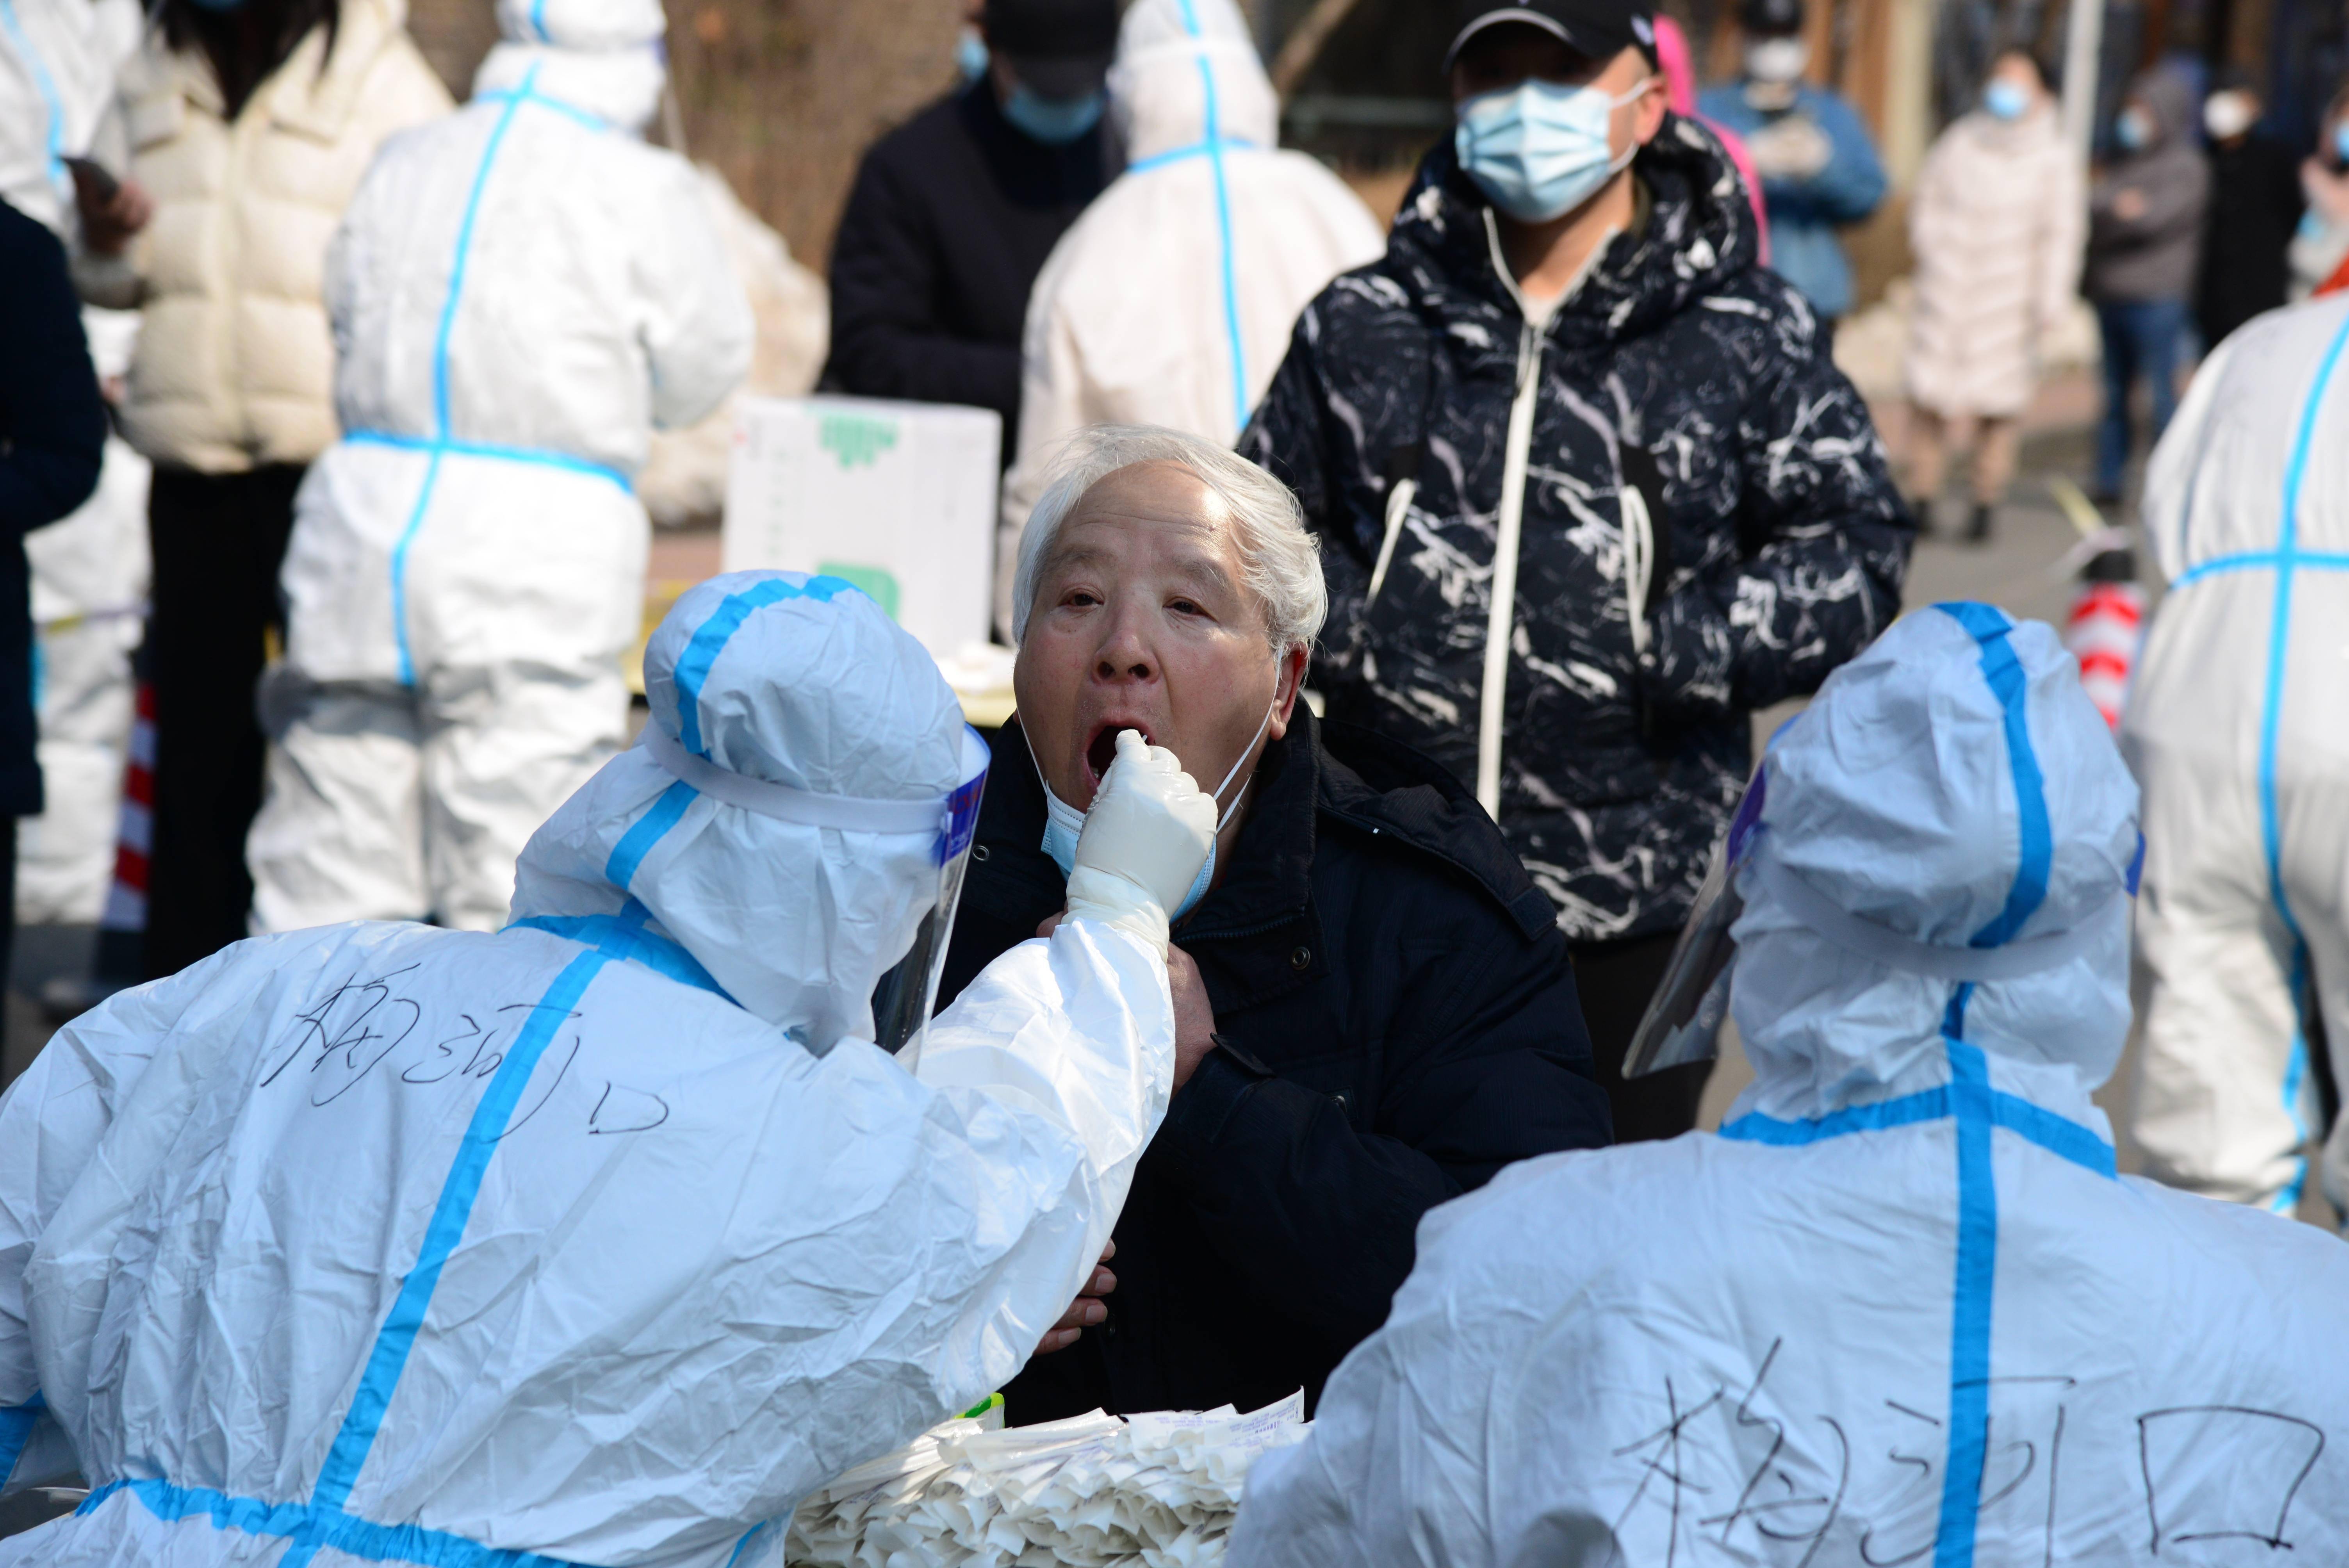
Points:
[(1195, 1016), (1085, 1311)]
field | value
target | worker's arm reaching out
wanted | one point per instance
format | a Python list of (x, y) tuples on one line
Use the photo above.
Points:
[(1073, 1035)]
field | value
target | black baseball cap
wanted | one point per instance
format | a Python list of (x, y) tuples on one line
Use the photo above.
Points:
[(1601, 29), (1770, 18), (1061, 48)]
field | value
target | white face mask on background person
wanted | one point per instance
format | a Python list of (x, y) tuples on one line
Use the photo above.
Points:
[(2132, 130), (2226, 115), (1063, 823), (1540, 149), (1777, 60)]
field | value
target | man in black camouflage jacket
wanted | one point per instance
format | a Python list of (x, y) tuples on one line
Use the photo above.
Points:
[(1689, 506)]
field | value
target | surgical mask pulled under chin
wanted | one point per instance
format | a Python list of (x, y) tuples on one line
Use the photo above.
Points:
[(1063, 823), (1539, 149)]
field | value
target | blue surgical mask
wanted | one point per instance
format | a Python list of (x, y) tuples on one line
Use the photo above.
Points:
[(1055, 122), (2133, 130), (2341, 143), (1538, 149), (970, 55), (1063, 823), (2005, 100)]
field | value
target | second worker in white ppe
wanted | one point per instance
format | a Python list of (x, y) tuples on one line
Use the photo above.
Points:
[(1171, 300), (1901, 1309), (521, 292), (2234, 729), (605, 1238)]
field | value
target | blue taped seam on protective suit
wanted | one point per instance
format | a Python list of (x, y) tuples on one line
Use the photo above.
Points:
[(2259, 561), (440, 385), (709, 640), (2066, 1141), (2280, 627), (2295, 1079), (2004, 672), (743, 1545), (16, 1423), (1977, 1277), (491, 451), (628, 854), (1214, 146), (313, 1527), (569, 111), (388, 1359), (53, 141), (616, 936)]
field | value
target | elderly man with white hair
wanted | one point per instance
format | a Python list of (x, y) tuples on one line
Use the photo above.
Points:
[(1374, 1008)]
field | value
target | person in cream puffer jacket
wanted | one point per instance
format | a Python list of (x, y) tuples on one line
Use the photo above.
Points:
[(250, 126)]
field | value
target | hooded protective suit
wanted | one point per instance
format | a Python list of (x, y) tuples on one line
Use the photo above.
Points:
[(605, 1238), (521, 291), (89, 588), (1899, 1310), (1171, 300), (57, 63), (2234, 728)]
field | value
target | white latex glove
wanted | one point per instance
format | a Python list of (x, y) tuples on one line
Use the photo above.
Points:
[(1144, 839), (1789, 148)]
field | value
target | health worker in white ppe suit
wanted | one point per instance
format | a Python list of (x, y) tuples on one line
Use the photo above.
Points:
[(520, 292), (1899, 1310), (58, 61), (1171, 300), (2235, 728), (57, 65), (605, 1238)]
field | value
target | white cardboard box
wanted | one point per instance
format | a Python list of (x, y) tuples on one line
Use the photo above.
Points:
[(897, 498)]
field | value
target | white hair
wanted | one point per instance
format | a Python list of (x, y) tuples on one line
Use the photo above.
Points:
[(1279, 561)]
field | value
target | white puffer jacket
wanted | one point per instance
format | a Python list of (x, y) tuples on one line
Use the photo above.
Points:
[(1997, 225), (235, 366)]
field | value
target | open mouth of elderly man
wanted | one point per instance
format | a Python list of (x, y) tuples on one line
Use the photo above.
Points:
[(1374, 1007)]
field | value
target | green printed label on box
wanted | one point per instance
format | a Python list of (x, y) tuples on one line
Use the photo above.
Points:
[(857, 439), (871, 581)]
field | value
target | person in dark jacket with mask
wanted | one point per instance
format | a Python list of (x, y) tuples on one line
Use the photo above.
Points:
[(1374, 1009), (2144, 226), (1568, 376), (52, 440), (2255, 206), (953, 212)]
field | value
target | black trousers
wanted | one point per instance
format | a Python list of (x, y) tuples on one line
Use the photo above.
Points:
[(1615, 980), (219, 540)]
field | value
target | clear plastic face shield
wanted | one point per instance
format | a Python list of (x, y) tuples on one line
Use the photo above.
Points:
[(908, 992), (1682, 1024)]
